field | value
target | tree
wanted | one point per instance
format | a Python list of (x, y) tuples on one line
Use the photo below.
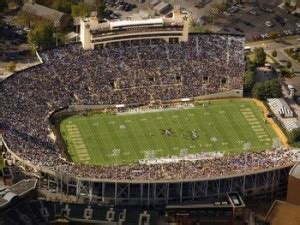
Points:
[(275, 88), (100, 8), (44, 2), (23, 19), (11, 66), (273, 35), (274, 53), (249, 81), (250, 65), (42, 35), (3, 5), (267, 89), (289, 64), (197, 28), (219, 7), (258, 91), (82, 10), (294, 137), (62, 6), (260, 56)]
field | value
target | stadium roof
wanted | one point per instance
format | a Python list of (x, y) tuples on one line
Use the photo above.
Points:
[(43, 12), (161, 7), (283, 213), (17, 190), (295, 171), (123, 23)]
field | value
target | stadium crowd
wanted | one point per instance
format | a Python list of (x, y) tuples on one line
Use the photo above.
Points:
[(135, 72)]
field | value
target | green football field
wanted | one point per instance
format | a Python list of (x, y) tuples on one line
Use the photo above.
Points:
[(228, 126)]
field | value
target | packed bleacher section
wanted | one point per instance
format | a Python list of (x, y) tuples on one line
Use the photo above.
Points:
[(47, 212), (283, 113), (124, 73)]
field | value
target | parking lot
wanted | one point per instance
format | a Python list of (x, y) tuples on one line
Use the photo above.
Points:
[(249, 19), (246, 23)]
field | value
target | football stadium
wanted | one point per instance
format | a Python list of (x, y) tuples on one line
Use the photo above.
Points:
[(140, 113)]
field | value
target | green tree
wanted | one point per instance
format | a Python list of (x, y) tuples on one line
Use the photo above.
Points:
[(3, 5), (82, 10), (75, 10), (258, 91), (260, 56), (274, 53), (197, 28), (275, 88), (219, 7), (42, 35), (100, 8), (289, 64), (23, 19), (11, 66), (294, 137), (249, 81), (44, 2), (250, 65), (62, 6), (273, 35), (267, 89)]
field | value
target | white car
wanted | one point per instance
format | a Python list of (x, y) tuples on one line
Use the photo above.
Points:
[(27, 29), (184, 12), (269, 24), (233, 9), (253, 12), (226, 13), (298, 24)]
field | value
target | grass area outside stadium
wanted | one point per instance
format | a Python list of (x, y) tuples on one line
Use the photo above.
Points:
[(230, 126)]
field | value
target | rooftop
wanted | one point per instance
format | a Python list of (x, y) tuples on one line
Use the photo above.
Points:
[(43, 12), (295, 171), (19, 189), (283, 213)]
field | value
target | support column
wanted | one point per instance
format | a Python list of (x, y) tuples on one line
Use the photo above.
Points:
[(116, 192), (103, 192), (180, 192), (142, 194), (168, 194)]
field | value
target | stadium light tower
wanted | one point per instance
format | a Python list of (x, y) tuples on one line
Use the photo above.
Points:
[(182, 154), (150, 155), (116, 153), (246, 148), (276, 143)]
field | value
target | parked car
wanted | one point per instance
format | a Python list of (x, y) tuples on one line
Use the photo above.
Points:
[(226, 13), (269, 24), (239, 29), (248, 24), (199, 5), (266, 10), (184, 12), (233, 9), (280, 20), (265, 36), (253, 12)]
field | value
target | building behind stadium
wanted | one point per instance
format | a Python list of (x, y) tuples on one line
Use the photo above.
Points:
[(172, 28)]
